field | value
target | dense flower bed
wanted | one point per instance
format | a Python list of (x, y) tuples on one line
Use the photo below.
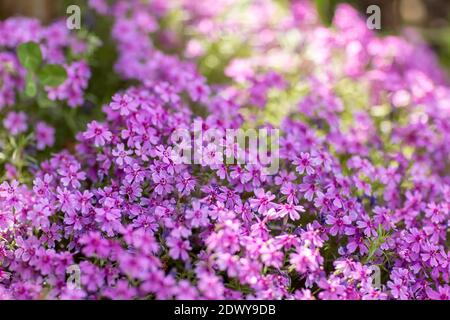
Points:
[(358, 209)]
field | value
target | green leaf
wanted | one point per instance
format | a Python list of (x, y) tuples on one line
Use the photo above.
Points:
[(30, 86), (43, 101), (30, 55), (52, 75), (324, 9)]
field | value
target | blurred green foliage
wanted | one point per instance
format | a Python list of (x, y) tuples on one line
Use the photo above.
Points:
[(439, 39)]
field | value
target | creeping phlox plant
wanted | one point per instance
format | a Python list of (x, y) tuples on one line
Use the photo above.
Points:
[(358, 207)]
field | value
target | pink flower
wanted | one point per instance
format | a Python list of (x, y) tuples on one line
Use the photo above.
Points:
[(198, 216), (441, 293), (185, 291), (45, 135), (305, 259), (263, 201), (94, 245), (98, 132), (291, 210), (72, 176), (178, 248), (122, 155), (305, 162), (162, 181), (338, 224), (185, 183), (124, 103), (16, 123)]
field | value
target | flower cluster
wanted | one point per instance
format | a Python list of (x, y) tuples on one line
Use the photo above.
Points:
[(358, 209), (31, 119), (55, 40)]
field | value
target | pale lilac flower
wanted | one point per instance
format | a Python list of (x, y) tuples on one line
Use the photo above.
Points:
[(98, 132), (45, 135), (16, 122)]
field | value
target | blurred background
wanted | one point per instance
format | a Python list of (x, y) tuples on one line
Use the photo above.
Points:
[(432, 17)]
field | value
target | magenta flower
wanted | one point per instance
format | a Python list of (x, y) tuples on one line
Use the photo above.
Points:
[(442, 293), (178, 248), (198, 216), (124, 103), (284, 177), (291, 210), (185, 183), (95, 245), (72, 90), (162, 183), (11, 194), (108, 217), (185, 291), (72, 176), (368, 226), (290, 190), (305, 163), (98, 132), (399, 290), (122, 155), (16, 122), (263, 201), (431, 255), (135, 266), (305, 259), (338, 224), (45, 135), (309, 188)]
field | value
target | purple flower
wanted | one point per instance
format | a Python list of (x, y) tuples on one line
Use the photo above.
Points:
[(263, 201), (305, 259), (163, 183), (178, 248), (45, 135), (185, 183), (124, 103), (122, 155), (291, 210), (108, 217), (368, 227), (338, 224), (198, 216), (72, 89), (305, 162), (16, 122), (98, 132), (185, 291), (72, 176), (95, 245), (442, 293)]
